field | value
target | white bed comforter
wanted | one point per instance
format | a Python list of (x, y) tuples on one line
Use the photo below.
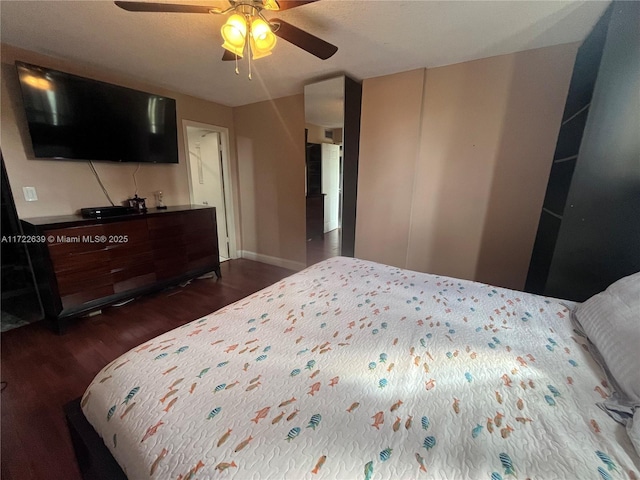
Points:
[(356, 370)]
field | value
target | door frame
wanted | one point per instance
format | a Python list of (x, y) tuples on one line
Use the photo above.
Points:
[(223, 133)]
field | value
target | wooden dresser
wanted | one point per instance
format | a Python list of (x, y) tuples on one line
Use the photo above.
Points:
[(85, 264)]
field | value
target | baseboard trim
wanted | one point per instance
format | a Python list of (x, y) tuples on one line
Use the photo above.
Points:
[(278, 262)]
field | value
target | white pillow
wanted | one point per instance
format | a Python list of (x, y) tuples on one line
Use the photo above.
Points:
[(611, 321)]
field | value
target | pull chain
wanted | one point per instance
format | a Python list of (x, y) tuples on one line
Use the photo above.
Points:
[(249, 47)]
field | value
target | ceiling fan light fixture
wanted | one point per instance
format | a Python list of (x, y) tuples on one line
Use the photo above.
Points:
[(262, 39), (234, 33), (256, 52), (239, 26), (271, 5)]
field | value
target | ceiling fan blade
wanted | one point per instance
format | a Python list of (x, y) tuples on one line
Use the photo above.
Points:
[(312, 44), (228, 56), (287, 4), (165, 7)]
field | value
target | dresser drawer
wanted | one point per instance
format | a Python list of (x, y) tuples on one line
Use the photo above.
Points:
[(124, 258), (158, 223), (79, 261), (195, 222), (83, 280), (169, 267), (202, 248), (134, 232), (75, 240)]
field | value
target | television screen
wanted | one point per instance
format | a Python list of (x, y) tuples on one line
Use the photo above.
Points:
[(72, 117)]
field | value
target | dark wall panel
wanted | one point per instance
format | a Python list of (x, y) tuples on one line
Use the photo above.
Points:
[(351, 152), (599, 239), (542, 253), (558, 188), (570, 135), (584, 75), (574, 119)]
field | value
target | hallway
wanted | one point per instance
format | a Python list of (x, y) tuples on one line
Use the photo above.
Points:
[(321, 248)]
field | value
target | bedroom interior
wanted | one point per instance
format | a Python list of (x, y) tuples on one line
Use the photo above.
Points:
[(512, 162)]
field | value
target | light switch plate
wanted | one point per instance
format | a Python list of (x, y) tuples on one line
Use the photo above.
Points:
[(30, 194)]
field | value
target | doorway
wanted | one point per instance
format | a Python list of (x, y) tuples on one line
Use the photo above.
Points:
[(323, 200), (209, 182)]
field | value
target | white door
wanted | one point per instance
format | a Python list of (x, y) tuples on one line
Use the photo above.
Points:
[(206, 175), (331, 185)]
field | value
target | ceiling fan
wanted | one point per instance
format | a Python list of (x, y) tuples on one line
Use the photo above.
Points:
[(247, 22)]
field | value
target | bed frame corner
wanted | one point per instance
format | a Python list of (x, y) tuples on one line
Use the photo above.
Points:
[(94, 459)]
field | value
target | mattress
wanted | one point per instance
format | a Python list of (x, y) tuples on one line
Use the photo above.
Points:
[(356, 370)]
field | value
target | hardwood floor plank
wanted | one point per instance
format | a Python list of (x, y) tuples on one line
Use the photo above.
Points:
[(327, 246), (44, 371)]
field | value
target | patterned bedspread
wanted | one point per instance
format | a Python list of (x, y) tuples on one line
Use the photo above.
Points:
[(356, 370)]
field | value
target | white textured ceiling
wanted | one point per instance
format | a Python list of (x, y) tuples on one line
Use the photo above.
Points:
[(182, 51)]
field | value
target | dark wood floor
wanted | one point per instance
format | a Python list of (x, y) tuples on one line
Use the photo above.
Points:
[(44, 371), (324, 247)]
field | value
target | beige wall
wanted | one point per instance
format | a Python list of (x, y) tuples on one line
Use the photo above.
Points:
[(454, 163), (271, 157), (389, 141), (64, 187), (270, 218)]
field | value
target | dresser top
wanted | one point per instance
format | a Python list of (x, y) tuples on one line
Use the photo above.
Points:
[(78, 220)]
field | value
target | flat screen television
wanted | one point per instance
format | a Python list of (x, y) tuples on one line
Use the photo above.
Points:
[(72, 117)]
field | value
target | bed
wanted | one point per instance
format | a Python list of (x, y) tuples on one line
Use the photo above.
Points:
[(356, 370)]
